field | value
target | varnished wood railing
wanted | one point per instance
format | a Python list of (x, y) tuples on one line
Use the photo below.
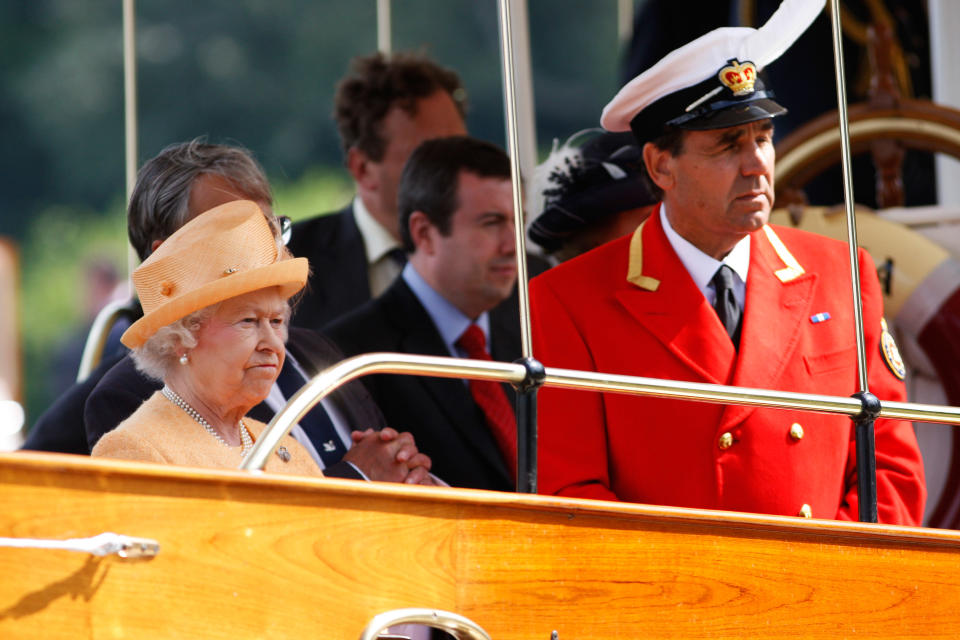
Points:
[(266, 556)]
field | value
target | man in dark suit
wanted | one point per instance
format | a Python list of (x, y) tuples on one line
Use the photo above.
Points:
[(344, 436), (384, 108), (456, 217), (60, 429)]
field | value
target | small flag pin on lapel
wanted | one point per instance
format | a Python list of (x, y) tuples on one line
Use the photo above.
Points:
[(819, 317)]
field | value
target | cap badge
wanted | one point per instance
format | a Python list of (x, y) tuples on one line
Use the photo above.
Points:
[(738, 77)]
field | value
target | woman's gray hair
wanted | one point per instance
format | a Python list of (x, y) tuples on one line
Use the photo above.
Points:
[(158, 354)]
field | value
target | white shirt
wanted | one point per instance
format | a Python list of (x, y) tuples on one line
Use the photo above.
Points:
[(382, 270), (702, 267)]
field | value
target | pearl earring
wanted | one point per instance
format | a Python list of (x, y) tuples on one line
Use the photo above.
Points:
[(184, 360)]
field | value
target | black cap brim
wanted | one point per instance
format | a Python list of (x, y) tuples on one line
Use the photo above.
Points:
[(707, 105), (742, 113)]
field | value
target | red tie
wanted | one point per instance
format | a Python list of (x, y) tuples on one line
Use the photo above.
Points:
[(492, 399)]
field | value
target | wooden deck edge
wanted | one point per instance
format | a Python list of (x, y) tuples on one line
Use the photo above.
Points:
[(26, 461)]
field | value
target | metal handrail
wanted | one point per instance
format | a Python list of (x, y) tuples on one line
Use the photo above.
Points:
[(325, 382), (460, 627), (339, 374), (97, 337)]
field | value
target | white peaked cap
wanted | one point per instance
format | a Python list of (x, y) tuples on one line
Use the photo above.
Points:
[(669, 81)]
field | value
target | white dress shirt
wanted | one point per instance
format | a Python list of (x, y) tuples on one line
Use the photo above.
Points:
[(702, 267), (382, 269)]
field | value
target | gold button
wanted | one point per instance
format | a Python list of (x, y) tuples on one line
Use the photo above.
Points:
[(805, 511), (796, 431), (726, 441)]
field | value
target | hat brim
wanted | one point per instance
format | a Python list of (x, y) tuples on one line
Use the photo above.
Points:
[(290, 275), (743, 113)]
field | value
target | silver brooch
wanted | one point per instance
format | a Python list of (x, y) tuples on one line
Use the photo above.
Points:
[(283, 454)]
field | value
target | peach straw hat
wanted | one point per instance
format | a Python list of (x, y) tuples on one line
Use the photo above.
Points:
[(222, 253)]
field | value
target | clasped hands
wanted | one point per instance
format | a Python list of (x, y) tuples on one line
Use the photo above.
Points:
[(389, 456)]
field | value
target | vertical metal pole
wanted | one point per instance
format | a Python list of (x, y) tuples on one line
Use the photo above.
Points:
[(866, 456), (866, 453), (624, 20), (526, 392), (527, 441), (97, 337), (384, 27), (526, 124), (130, 108), (513, 148), (527, 425)]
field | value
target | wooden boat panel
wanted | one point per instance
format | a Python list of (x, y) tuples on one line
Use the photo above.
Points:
[(283, 557)]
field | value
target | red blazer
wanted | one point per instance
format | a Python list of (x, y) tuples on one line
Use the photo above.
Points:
[(588, 315)]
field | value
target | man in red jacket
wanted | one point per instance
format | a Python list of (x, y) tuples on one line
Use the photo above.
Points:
[(706, 291)]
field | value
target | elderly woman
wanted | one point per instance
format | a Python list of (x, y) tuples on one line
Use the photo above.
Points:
[(215, 299)]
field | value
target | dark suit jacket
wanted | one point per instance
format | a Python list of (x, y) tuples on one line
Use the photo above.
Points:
[(59, 429), (123, 389), (439, 412), (338, 267)]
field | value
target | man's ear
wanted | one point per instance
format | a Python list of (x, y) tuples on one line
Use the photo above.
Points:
[(422, 232), (359, 166), (659, 165)]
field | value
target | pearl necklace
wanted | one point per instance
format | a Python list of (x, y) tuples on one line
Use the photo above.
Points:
[(245, 439)]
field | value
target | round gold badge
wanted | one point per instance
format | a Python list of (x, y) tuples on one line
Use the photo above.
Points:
[(891, 355)]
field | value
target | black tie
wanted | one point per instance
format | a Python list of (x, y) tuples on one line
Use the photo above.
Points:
[(316, 424), (726, 303)]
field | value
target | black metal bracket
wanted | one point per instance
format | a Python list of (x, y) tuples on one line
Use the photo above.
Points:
[(527, 424), (866, 455), (885, 275), (535, 375)]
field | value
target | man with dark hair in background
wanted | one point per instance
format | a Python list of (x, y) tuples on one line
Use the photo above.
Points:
[(383, 108), (457, 224)]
